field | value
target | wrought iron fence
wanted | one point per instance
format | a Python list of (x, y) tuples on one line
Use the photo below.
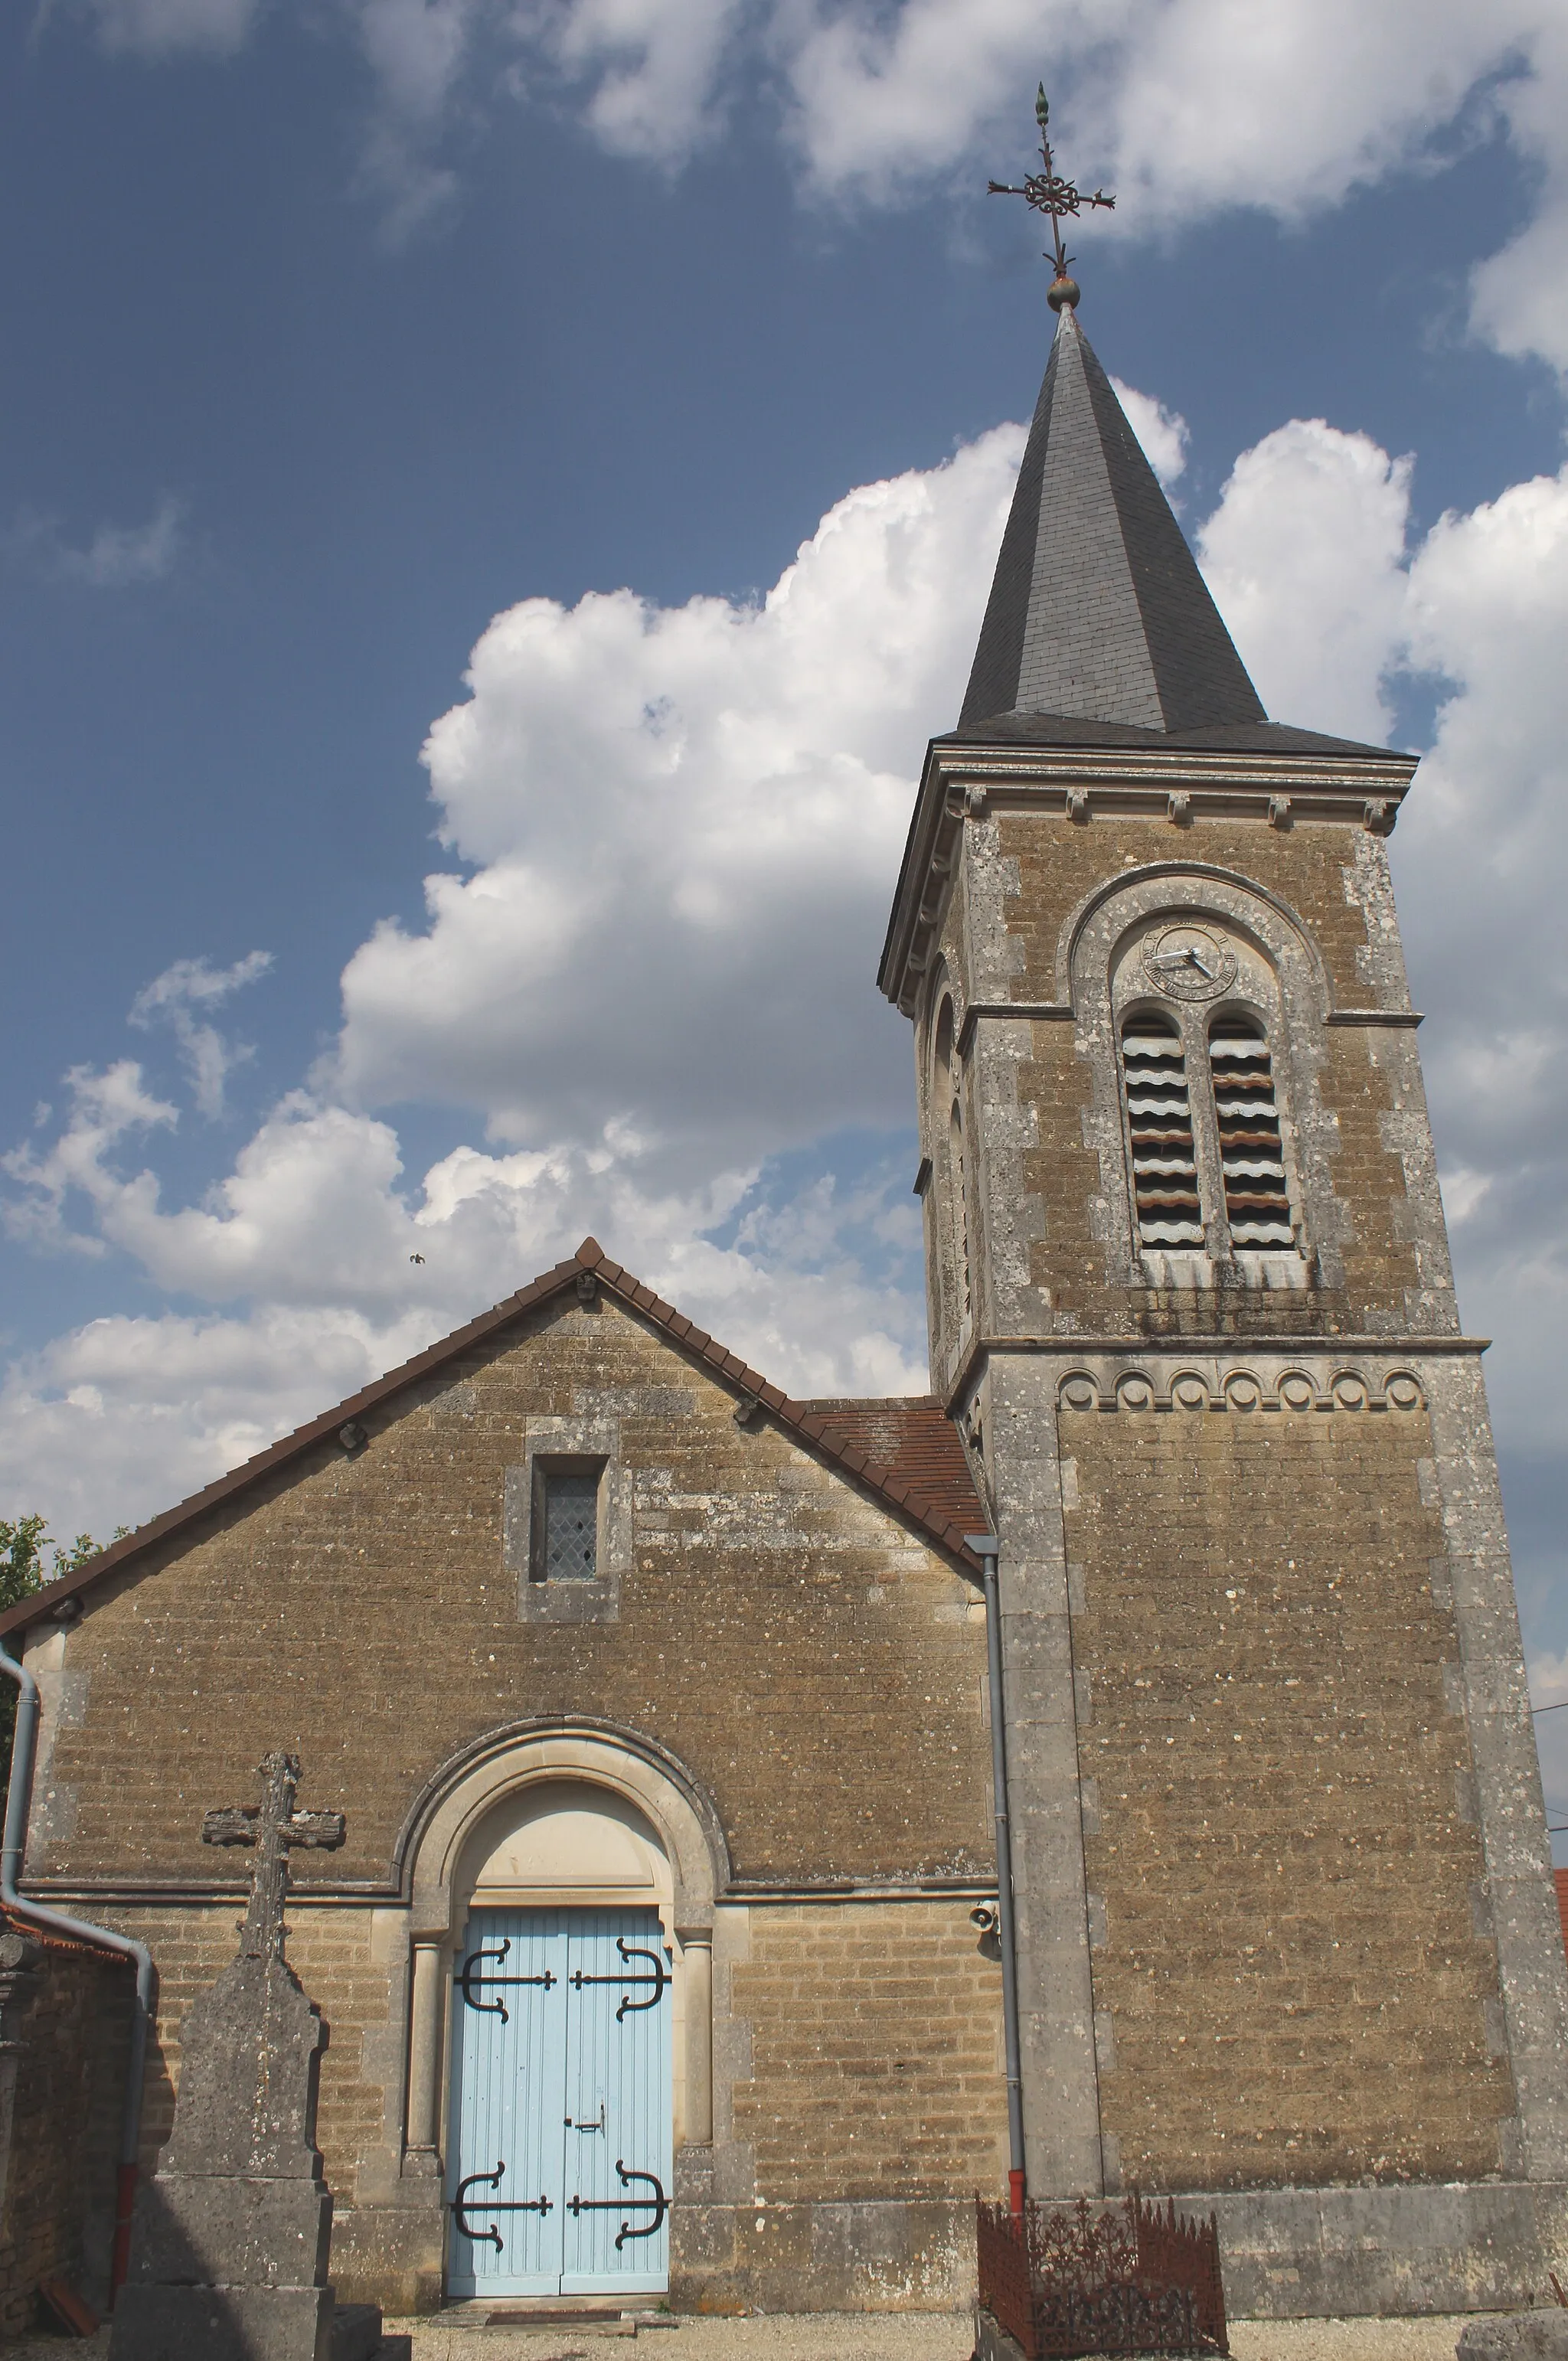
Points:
[(1072, 2280)]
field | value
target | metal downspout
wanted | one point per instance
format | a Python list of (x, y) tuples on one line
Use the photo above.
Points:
[(24, 1748), (986, 1548)]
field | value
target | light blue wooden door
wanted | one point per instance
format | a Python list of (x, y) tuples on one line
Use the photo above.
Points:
[(509, 2083), (560, 2137), (617, 2095)]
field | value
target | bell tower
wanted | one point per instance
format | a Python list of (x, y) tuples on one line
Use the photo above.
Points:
[(1287, 1941)]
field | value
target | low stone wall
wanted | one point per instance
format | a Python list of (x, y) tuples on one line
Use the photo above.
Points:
[(1294, 2254), (885, 2255), (64, 2040)]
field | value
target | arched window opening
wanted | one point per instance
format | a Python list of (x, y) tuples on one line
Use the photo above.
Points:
[(960, 1200), (942, 1055), (1251, 1150), (947, 1149), (1159, 1120)]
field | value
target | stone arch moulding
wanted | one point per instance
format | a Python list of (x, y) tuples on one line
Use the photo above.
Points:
[(1118, 903), (1087, 950), (478, 1783), (583, 1751), (944, 1141), (940, 984)]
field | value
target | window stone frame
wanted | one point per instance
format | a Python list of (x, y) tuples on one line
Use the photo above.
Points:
[(569, 1442)]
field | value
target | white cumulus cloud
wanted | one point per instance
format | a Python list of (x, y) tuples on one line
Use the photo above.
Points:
[(1305, 554), (106, 1109), (1186, 108), (646, 978), (174, 997), (685, 822), (1485, 860), (1162, 431)]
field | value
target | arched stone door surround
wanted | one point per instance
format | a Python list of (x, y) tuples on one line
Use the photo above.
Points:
[(451, 1837)]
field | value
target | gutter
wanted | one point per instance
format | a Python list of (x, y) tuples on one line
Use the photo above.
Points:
[(23, 1752), (986, 1548)]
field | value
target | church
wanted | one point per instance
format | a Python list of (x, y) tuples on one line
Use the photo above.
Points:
[(661, 1956)]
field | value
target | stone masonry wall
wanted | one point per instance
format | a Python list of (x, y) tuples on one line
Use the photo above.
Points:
[(1290, 1985), (1311, 868), (817, 1669), (814, 1667), (871, 2105), (876, 2062), (1043, 865), (330, 1950), (60, 2124), (1058, 861)]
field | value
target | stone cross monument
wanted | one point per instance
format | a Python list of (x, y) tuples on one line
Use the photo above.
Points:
[(274, 1828), (229, 2250)]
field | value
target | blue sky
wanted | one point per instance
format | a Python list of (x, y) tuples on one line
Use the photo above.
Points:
[(336, 332)]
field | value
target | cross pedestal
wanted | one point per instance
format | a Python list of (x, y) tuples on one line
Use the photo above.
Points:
[(230, 2243)]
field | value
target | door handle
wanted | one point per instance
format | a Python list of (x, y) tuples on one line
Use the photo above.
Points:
[(595, 2122)]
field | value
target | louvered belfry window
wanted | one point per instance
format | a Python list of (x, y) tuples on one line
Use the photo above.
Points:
[(569, 1548), (1252, 1152), (1159, 1118)]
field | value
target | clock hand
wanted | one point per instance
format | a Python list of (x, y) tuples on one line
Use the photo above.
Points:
[(1188, 958)]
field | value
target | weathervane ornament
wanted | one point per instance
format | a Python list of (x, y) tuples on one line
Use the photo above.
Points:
[(1046, 192)]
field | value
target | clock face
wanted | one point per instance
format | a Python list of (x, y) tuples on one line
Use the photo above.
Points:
[(1187, 962)]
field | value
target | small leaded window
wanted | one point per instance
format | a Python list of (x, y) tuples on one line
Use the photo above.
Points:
[(568, 1525), (1159, 1119), (1252, 1152)]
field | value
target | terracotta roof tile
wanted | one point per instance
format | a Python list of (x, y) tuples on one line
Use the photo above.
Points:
[(49, 1938), (914, 1446)]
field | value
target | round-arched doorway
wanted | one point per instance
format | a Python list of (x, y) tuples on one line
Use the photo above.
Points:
[(561, 2017), (560, 2139)]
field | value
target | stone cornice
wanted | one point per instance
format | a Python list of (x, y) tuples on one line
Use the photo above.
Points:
[(1178, 784), (1134, 1354), (364, 1894), (1060, 1011)]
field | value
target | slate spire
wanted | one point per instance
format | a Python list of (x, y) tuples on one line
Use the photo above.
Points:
[(1098, 610)]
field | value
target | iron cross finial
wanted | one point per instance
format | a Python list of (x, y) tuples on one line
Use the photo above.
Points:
[(1046, 192), (272, 1828)]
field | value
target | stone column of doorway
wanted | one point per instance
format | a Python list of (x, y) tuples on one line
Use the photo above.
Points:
[(425, 2030), (696, 1959)]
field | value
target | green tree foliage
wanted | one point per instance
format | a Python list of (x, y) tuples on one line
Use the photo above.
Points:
[(28, 1560)]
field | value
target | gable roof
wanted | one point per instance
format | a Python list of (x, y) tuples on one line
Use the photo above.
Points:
[(906, 1454), (1098, 610)]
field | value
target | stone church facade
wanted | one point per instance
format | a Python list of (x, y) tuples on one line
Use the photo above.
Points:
[(576, 1614)]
